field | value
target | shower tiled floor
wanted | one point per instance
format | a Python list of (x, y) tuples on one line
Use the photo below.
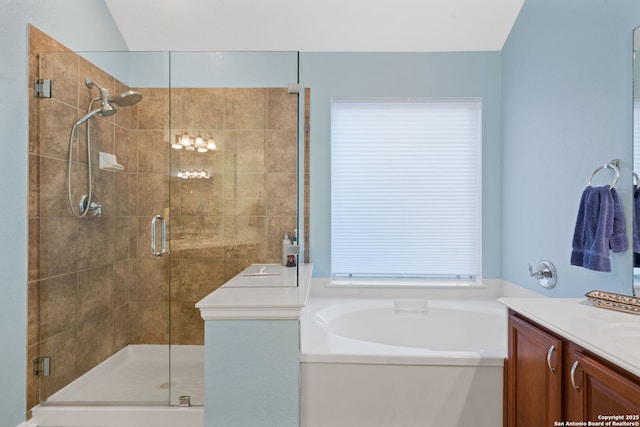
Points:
[(149, 374)]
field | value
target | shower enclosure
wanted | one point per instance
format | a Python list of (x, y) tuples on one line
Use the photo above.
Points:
[(206, 162)]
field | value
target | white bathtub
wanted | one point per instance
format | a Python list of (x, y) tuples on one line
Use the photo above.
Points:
[(404, 362)]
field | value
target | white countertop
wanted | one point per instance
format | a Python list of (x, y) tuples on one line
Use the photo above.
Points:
[(262, 291), (613, 335)]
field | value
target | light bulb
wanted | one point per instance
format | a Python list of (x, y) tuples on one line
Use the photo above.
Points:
[(176, 145), (185, 139), (199, 142), (211, 144)]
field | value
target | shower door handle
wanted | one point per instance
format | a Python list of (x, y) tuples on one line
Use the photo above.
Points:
[(163, 246)]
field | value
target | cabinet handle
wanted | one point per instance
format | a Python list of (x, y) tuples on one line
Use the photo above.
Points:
[(573, 375), (549, 353)]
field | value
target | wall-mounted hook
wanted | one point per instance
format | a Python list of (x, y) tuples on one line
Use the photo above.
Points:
[(545, 274)]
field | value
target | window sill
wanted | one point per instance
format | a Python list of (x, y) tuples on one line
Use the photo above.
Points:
[(406, 283)]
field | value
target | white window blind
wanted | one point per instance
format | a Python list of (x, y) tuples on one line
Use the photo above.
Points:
[(406, 188)]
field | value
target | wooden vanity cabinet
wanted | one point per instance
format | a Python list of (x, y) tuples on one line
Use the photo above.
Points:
[(550, 380), (534, 376), (595, 388)]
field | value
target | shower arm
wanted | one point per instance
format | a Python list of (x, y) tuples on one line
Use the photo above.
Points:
[(104, 93)]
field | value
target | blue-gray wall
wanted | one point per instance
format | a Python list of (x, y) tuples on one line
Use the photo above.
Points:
[(80, 24), (253, 373), (567, 85), (557, 103), (466, 74)]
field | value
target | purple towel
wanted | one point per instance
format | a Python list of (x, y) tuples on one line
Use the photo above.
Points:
[(636, 228), (636, 221), (618, 239), (599, 228)]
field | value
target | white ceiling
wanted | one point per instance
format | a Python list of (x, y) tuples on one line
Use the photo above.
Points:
[(315, 25)]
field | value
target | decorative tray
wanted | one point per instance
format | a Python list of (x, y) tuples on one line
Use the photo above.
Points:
[(625, 303)]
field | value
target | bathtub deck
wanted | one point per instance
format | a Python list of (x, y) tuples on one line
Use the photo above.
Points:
[(360, 334)]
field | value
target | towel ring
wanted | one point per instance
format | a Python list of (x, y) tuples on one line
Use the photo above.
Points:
[(636, 179), (611, 165)]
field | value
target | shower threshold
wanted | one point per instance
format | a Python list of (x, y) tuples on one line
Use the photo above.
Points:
[(132, 388)]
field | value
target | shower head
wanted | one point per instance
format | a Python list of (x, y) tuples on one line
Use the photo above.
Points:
[(127, 99), (106, 109)]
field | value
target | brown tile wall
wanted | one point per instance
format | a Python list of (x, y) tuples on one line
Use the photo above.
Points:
[(80, 270), (94, 286), (221, 225)]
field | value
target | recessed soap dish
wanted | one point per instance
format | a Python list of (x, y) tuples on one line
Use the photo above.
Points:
[(612, 301), (109, 163)]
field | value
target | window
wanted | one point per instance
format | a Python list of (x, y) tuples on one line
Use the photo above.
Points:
[(406, 188)]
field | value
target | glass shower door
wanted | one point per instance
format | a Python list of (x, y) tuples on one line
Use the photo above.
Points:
[(233, 184), (110, 321), (98, 300)]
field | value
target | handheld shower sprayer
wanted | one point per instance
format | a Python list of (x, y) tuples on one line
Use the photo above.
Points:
[(125, 99), (89, 115)]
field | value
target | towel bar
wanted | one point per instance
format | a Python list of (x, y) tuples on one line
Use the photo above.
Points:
[(613, 164)]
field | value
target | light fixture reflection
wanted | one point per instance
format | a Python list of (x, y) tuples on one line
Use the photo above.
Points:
[(193, 174), (185, 139), (177, 145), (197, 143), (186, 142)]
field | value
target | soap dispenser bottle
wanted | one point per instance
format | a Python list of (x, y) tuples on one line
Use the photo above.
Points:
[(285, 248)]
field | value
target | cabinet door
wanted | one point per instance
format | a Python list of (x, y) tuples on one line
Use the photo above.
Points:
[(593, 389), (534, 370)]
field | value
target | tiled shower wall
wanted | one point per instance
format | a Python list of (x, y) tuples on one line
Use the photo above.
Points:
[(221, 225), (94, 286), (80, 270)]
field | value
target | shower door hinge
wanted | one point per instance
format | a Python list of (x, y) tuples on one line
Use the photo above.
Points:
[(42, 366), (42, 88), (294, 88)]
